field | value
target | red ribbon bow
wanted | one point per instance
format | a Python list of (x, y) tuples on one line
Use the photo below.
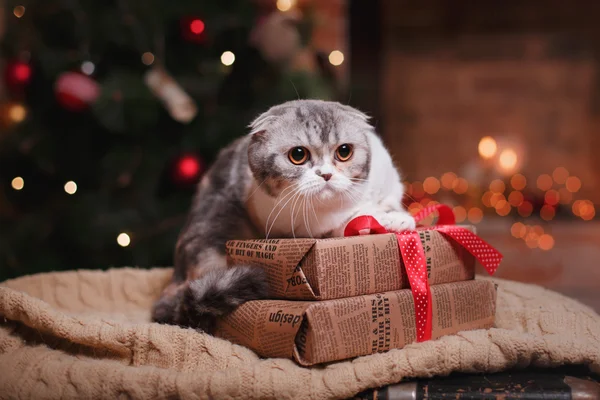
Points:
[(413, 255)]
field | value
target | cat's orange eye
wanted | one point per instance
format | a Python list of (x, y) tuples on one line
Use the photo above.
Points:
[(344, 152), (298, 155)]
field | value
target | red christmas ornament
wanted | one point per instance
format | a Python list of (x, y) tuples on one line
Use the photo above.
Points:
[(197, 26), (193, 29), (17, 75), (188, 169), (75, 91)]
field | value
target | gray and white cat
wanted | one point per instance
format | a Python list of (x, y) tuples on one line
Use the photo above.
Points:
[(306, 168)]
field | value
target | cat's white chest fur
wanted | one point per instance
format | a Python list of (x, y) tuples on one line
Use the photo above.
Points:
[(306, 216)]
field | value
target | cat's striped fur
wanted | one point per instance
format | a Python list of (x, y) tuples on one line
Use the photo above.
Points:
[(253, 190)]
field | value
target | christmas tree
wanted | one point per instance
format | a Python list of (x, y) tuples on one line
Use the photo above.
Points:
[(111, 111)]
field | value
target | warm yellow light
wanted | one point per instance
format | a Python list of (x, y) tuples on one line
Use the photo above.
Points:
[(448, 180), (544, 182), (70, 187), (285, 5), (148, 58), (123, 239), (227, 58), (475, 215), (17, 113), (487, 147), (518, 182), (19, 11), (431, 185), (336, 57), (560, 175), (17, 183), (460, 213), (573, 184), (497, 186), (508, 159)]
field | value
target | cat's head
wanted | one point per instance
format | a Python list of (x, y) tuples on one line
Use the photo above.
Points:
[(312, 148)]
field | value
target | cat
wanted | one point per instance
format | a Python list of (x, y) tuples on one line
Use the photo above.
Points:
[(305, 169)]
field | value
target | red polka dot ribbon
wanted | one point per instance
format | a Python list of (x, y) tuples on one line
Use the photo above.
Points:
[(413, 255)]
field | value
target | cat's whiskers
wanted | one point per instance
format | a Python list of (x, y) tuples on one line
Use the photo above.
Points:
[(287, 198), (312, 205), (295, 193), (254, 191), (292, 215), (280, 199)]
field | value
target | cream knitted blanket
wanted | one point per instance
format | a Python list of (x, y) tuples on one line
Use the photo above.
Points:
[(86, 334)]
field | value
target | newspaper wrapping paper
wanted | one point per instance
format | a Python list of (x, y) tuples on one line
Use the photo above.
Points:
[(315, 332), (415, 261), (323, 269)]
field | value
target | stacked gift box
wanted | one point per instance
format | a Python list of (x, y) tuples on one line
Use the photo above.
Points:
[(338, 298)]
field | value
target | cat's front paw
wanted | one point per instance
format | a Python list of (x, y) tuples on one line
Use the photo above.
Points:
[(396, 221)]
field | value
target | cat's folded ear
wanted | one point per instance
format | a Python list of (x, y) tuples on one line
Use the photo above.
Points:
[(260, 123)]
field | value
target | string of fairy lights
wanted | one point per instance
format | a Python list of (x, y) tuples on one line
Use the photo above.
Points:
[(505, 197), (14, 112)]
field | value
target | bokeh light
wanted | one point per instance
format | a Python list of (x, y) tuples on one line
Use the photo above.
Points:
[(17, 183), (518, 230), (475, 215), (123, 239), (227, 58), (487, 147), (431, 185), (508, 159), (525, 209), (560, 175), (336, 58), (516, 198), (573, 184), (19, 11), (544, 182), (518, 182), (285, 5), (546, 242), (17, 113), (448, 180), (496, 198), (486, 199), (417, 190), (552, 197), (460, 213), (497, 186), (461, 186), (70, 187), (565, 197), (547, 212)]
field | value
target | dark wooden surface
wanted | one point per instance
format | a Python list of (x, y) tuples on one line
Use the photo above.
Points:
[(564, 383)]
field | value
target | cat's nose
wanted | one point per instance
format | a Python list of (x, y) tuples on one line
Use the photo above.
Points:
[(326, 176)]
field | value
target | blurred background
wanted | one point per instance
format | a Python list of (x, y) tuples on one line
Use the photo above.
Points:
[(110, 113)]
